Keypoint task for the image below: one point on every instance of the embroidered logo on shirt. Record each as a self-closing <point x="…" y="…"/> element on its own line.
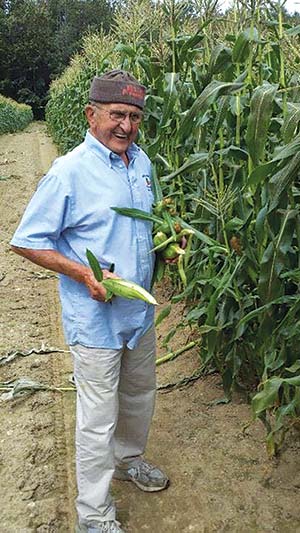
<point x="148" y="182"/>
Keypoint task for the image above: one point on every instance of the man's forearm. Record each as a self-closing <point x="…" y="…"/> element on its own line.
<point x="53" y="260"/>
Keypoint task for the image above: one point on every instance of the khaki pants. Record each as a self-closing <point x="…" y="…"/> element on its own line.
<point x="115" y="402"/>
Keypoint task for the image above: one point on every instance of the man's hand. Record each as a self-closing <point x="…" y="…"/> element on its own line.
<point x="96" y="289"/>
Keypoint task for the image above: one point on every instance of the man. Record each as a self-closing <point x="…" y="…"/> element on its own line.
<point x="112" y="343"/>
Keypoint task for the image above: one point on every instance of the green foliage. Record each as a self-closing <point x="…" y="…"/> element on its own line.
<point x="222" y="129"/>
<point x="13" y="116"/>
<point x="69" y="94"/>
<point x="37" y="39"/>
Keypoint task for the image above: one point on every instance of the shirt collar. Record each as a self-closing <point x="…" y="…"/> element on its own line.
<point x="105" y="153"/>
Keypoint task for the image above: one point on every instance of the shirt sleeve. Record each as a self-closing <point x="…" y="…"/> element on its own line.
<point x="47" y="215"/>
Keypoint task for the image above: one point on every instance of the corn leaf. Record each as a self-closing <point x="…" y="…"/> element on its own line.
<point x="281" y="181"/>
<point x="221" y="113"/>
<point x="137" y="213"/>
<point x="291" y="122"/>
<point x="157" y="192"/>
<point x="95" y="266"/>
<point x="241" y="49"/>
<point x="275" y="258"/>
<point x="266" y="398"/>
<point x="261" y="106"/>
<point x="204" y="101"/>
<point x="260" y="224"/>
<point x="220" y="59"/>
<point x="291" y="32"/>
<point x="163" y="314"/>
<point x="194" y="162"/>
<point x="171" y="78"/>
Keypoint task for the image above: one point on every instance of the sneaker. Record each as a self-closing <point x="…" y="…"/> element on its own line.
<point x="145" y="476"/>
<point x="109" y="526"/>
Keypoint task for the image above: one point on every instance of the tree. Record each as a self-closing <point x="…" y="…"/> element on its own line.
<point x="37" y="39"/>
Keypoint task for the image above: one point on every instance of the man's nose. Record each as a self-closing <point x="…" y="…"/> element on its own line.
<point x="126" y="123"/>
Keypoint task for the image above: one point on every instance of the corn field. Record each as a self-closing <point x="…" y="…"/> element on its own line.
<point x="13" y="116"/>
<point x="222" y="129"/>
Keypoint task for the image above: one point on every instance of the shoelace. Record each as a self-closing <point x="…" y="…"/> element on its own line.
<point x="145" y="467"/>
<point x="112" y="526"/>
<point x="142" y="468"/>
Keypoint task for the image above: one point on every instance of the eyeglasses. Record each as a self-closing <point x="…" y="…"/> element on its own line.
<point x="117" y="115"/>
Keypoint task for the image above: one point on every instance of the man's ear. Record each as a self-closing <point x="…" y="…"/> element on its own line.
<point x="90" y="113"/>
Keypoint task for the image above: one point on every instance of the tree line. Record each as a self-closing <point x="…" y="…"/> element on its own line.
<point x="37" y="39"/>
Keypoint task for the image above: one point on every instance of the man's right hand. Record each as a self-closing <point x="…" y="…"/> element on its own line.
<point x="96" y="289"/>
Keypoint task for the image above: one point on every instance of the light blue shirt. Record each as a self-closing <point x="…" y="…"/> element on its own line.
<point x="70" y="212"/>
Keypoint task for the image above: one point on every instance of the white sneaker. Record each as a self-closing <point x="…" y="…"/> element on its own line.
<point x="109" y="526"/>
<point x="144" y="475"/>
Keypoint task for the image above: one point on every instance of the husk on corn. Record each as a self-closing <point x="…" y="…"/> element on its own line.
<point x="119" y="286"/>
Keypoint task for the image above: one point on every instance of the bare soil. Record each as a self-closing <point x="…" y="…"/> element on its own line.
<point x="221" y="477"/>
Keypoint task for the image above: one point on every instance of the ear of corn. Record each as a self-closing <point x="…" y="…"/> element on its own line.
<point x="128" y="289"/>
<point x="118" y="286"/>
<point x="173" y="250"/>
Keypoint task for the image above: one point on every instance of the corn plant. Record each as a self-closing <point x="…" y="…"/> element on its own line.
<point x="13" y="116"/>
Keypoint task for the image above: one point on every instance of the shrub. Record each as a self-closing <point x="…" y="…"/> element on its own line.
<point x="13" y="116"/>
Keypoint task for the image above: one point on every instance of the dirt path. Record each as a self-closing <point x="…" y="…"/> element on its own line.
<point x="221" y="478"/>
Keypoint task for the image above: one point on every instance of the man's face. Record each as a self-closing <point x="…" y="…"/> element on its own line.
<point x="115" y="133"/>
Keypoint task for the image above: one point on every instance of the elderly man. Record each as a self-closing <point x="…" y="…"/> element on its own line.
<point x="112" y="343"/>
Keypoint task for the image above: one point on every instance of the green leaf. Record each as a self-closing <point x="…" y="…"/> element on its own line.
<point x="199" y="234"/>
<point x="295" y="381"/>
<point x="94" y="264"/>
<point x="170" y="96"/>
<point x="261" y="172"/>
<point x="220" y="59"/>
<point x="262" y="310"/>
<point x="241" y="49"/>
<point x="162" y="315"/>
<point x="170" y="335"/>
<point x="288" y="150"/>
<point x="157" y="192"/>
<point x="281" y="181"/>
<point x="291" y="121"/>
<point x="235" y="152"/>
<point x="194" y="162"/>
<point x="137" y="213"/>
<point x="221" y="113"/>
<point x="211" y="92"/>
<point x="125" y="49"/>
<point x="274" y="259"/>
<point x="266" y="398"/>
<point x="260" y="224"/>
<point x="234" y="224"/>
<point x="294" y="368"/>
<point x="291" y="32"/>
<point x="261" y="106"/>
